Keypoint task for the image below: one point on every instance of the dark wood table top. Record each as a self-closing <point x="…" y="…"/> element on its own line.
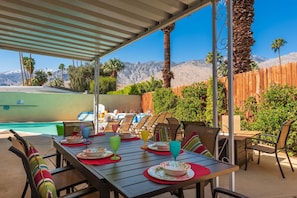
<point x="126" y="176"/>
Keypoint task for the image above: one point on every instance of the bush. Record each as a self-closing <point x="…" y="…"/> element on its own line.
<point x="192" y="105"/>
<point x="164" y="100"/>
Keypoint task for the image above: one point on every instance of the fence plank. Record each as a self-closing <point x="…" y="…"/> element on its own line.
<point x="246" y="84"/>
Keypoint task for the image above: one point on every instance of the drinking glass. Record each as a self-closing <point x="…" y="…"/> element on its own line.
<point x="174" y="147"/>
<point x="144" y="137"/>
<point x="86" y="133"/>
<point x="114" y="128"/>
<point x="115" y="142"/>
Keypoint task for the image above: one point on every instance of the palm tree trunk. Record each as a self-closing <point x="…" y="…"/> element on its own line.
<point x="279" y="58"/>
<point x="22" y="68"/>
<point x="166" y="73"/>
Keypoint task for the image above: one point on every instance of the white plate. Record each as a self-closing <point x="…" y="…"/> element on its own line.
<point x="127" y="138"/>
<point x="77" y="142"/>
<point x="154" y="147"/>
<point x="84" y="156"/>
<point x="158" y="172"/>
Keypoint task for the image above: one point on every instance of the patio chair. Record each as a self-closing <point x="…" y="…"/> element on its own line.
<point x="217" y="191"/>
<point x="207" y="137"/>
<point x="186" y="124"/>
<point x="272" y="146"/>
<point x="74" y="126"/>
<point x="126" y="123"/>
<point x="140" y="125"/>
<point x="170" y="132"/>
<point x="174" y="125"/>
<point x="43" y="182"/>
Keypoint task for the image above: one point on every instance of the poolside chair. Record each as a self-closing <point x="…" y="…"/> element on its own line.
<point x="140" y="125"/>
<point x="271" y="146"/>
<point x="151" y="123"/>
<point x="40" y="179"/>
<point x="161" y="117"/>
<point x="217" y="191"/>
<point x="126" y="123"/>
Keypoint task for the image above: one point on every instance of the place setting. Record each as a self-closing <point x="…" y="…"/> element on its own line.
<point x="127" y="137"/>
<point x="171" y="172"/>
<point x="101" y="155"/>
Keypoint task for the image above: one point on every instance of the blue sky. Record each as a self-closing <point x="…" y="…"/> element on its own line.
<point x="191" y="38"/>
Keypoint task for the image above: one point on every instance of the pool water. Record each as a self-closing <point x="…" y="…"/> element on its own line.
<point x="47" y="128"/>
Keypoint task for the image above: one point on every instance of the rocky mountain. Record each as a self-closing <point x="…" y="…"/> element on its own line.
<point x="185" y="73"/>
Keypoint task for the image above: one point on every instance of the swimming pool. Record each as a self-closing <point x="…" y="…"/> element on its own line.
<point x="47" y="128"/>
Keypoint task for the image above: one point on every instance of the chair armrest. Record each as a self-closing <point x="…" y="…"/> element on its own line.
<point x="61" y="169"/>
<point x="80" y="193"/>
<point x="249" y="139"/>
<point x="49" y="155"/>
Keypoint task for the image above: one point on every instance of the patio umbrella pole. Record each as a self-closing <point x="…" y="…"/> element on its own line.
<point x="96" y="94"/>
<point x="230" y="92"/>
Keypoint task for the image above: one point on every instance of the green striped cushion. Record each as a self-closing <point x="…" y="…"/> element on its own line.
<point x="193" y="143"/>
<point x="42" y="176"/>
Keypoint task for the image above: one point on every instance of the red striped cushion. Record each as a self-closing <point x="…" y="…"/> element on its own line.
<point x="42" y="176"/>
<point x="193" y="143"/>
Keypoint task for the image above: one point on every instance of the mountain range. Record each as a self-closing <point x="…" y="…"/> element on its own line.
<point x="185" y="73"/>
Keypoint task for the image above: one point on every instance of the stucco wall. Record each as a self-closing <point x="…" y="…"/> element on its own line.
<point x="38" y="107"/>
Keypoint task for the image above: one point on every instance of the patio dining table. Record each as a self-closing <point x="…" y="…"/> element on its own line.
<point x="127" y="177"/>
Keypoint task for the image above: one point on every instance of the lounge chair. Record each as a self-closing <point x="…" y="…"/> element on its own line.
<point x="140" y="125"/>
<point x="126" y="123"/>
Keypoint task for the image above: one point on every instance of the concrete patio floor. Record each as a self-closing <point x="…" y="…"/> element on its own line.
<point x="259" y="181"/>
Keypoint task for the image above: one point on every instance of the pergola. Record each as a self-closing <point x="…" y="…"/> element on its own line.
<point x="90" y="29"/>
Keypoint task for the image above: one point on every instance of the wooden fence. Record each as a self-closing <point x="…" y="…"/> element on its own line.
<point x="246" y="84"/>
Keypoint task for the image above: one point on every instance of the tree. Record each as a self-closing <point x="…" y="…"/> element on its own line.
<point x="49" y="74"/>
<point x="81" y="77"/>
<point x="113" y="66"/>
<point x="62" y="67"/>
<point x="222" y="64"/>
<point x="243" y="17"/>
<point x="276" y="45"/>
<point x="56" y="83"/>
<point x="29" y="67"/>
<point x="166" y="73"/>
<point x="40" y="78"/>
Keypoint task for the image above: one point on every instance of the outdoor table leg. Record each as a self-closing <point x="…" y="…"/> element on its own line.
<point x="200" y="189"/>
<point x="58" y="159"/>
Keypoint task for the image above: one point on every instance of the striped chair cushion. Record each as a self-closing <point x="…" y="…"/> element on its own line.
<point x="193" y="143"/>
<point x="42" y="176"/>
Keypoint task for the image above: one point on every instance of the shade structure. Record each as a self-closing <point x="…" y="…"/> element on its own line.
<point x="84" y="30"/>
<point x="90" y="29"/>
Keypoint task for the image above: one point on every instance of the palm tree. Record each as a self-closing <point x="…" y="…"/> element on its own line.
<point x="243" y="17"/>
<point x="49" y="74"/>
<point x="276" y="45"/>
<point x="113" y="66"/>
<point x="222" y="64"/>
<point x="166" y="73"/>
<point x="62" y="67"/>
<point x="29" y="67"/>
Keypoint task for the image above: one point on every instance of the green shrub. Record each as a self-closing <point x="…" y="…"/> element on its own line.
<point x="191" y="107"/>
<point x="164" y="100"/>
